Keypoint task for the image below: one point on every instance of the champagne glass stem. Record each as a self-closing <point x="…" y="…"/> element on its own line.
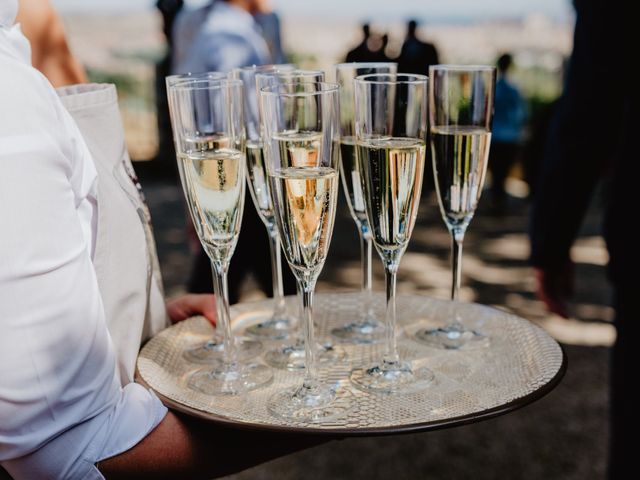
<point x="391" y="351"/>
<point x="218" y="296"/>
<point x="221" y="290"/>
<point x="457" y="237"/>
<point x="311" y="372"/>
<point x="366" y="249"/>
<point x="276" y="274"/>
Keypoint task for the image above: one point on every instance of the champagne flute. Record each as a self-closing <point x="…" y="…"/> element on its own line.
<point x="279" y="324"/>
<point x="461" y="108"/>
<point x="300" y="122"/>
<point x="210" y="143"/>
<point x="366" y="329"/>
<point x="291" y="356"/>
<point x="391" y="127"/>
<point x="213" y="349"/>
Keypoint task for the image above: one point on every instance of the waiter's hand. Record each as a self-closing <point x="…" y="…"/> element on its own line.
<point x="554" y="287"/>
<point x="192" y="304"/>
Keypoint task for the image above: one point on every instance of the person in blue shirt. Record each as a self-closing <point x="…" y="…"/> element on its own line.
<point x="228" y="38"/>
<point x="508" y="120"/>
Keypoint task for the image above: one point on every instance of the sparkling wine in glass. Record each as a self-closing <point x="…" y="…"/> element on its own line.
<point x="301" y="126"/>
<point x="212" y="349"/>
<point x="291" y="355"/>
<point x="391" y="128"/>
<point x="280" y="324"/>
<point x="461" y="108"/>
<point x="210" y="144"/>
<point x="366" y="329"/>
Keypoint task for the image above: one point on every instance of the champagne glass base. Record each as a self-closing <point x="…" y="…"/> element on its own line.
<point x="225" y="379"/>
<point x="213" y="351"/>
<point x="275" y="328"/>
<point x="366" y="331"/>
<point x="320" y="403"/>
<point x="452" y="337"/>
<point x="292" y="357"/>
<point x="391" y="377"/>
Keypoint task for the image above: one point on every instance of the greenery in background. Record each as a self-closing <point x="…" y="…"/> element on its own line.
<point x="302" y="60"/>
<point x="539" y="86"/>
<point x="125" y="83"/>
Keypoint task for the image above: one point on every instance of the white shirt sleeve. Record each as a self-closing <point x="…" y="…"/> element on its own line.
<point x="61" y="405"/>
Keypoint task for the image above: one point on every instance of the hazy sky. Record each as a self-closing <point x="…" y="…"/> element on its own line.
<point x="373" y="10"/>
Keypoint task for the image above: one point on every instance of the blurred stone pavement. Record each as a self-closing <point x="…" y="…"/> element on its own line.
<point x="562" y="436"/>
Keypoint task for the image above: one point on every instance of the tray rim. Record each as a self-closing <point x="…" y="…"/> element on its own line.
<point x="310" y="429"/>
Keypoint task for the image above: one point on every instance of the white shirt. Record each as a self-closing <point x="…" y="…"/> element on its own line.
<point x="62" y="407"/>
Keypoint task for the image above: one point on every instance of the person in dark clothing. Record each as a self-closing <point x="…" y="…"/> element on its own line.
<point x="380" y="55"/>
<point x="593" y="134"/>
<point x="533" y="151"/>
<point x="166" y="158"/>
<point x="416" y="56"/>
<point x="508" y="120"/>
<point x="362" y="53"/>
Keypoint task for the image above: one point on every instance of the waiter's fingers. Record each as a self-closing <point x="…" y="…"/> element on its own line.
<point x="192" y="304"/>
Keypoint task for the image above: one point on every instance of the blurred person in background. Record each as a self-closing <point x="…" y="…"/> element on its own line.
<point x="380" y="54"/>
<point x="50" y="52"/>
<point x="269" y="21"/>
<point x="416" y="56"/>
<point x="508" y="120"/>
<point x="228" y="37"/>
<point x="185" y="27"/>
<point x="593" y="135"/>
<point x="533" y="150"/>
<point x="362" y="53"/>
<point x="165" y="159"/>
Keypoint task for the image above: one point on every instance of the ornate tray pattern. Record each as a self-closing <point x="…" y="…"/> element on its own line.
<point x="521" y="364"/>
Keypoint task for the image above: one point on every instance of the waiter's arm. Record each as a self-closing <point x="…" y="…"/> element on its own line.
<point x="182" y="447"/>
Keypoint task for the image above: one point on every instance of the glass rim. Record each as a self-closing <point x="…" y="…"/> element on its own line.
<point x="263" y="68"/>
<point x="296" y="72"/>
<point x="364" y="64"/>
<point x="185" y="77"/>
<point x="206" y="84"/>
<point x="462" y="68"/>
<point x="272" y="90"/>
<point x="411" y="78"/>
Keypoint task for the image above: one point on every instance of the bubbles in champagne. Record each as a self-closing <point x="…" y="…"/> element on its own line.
<point x="214" y="182"/>
<point x="306" y="201"/>
<point x="460" y="157"/>
<point x="299" y="149"/>
<point x="392" y="171"/>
